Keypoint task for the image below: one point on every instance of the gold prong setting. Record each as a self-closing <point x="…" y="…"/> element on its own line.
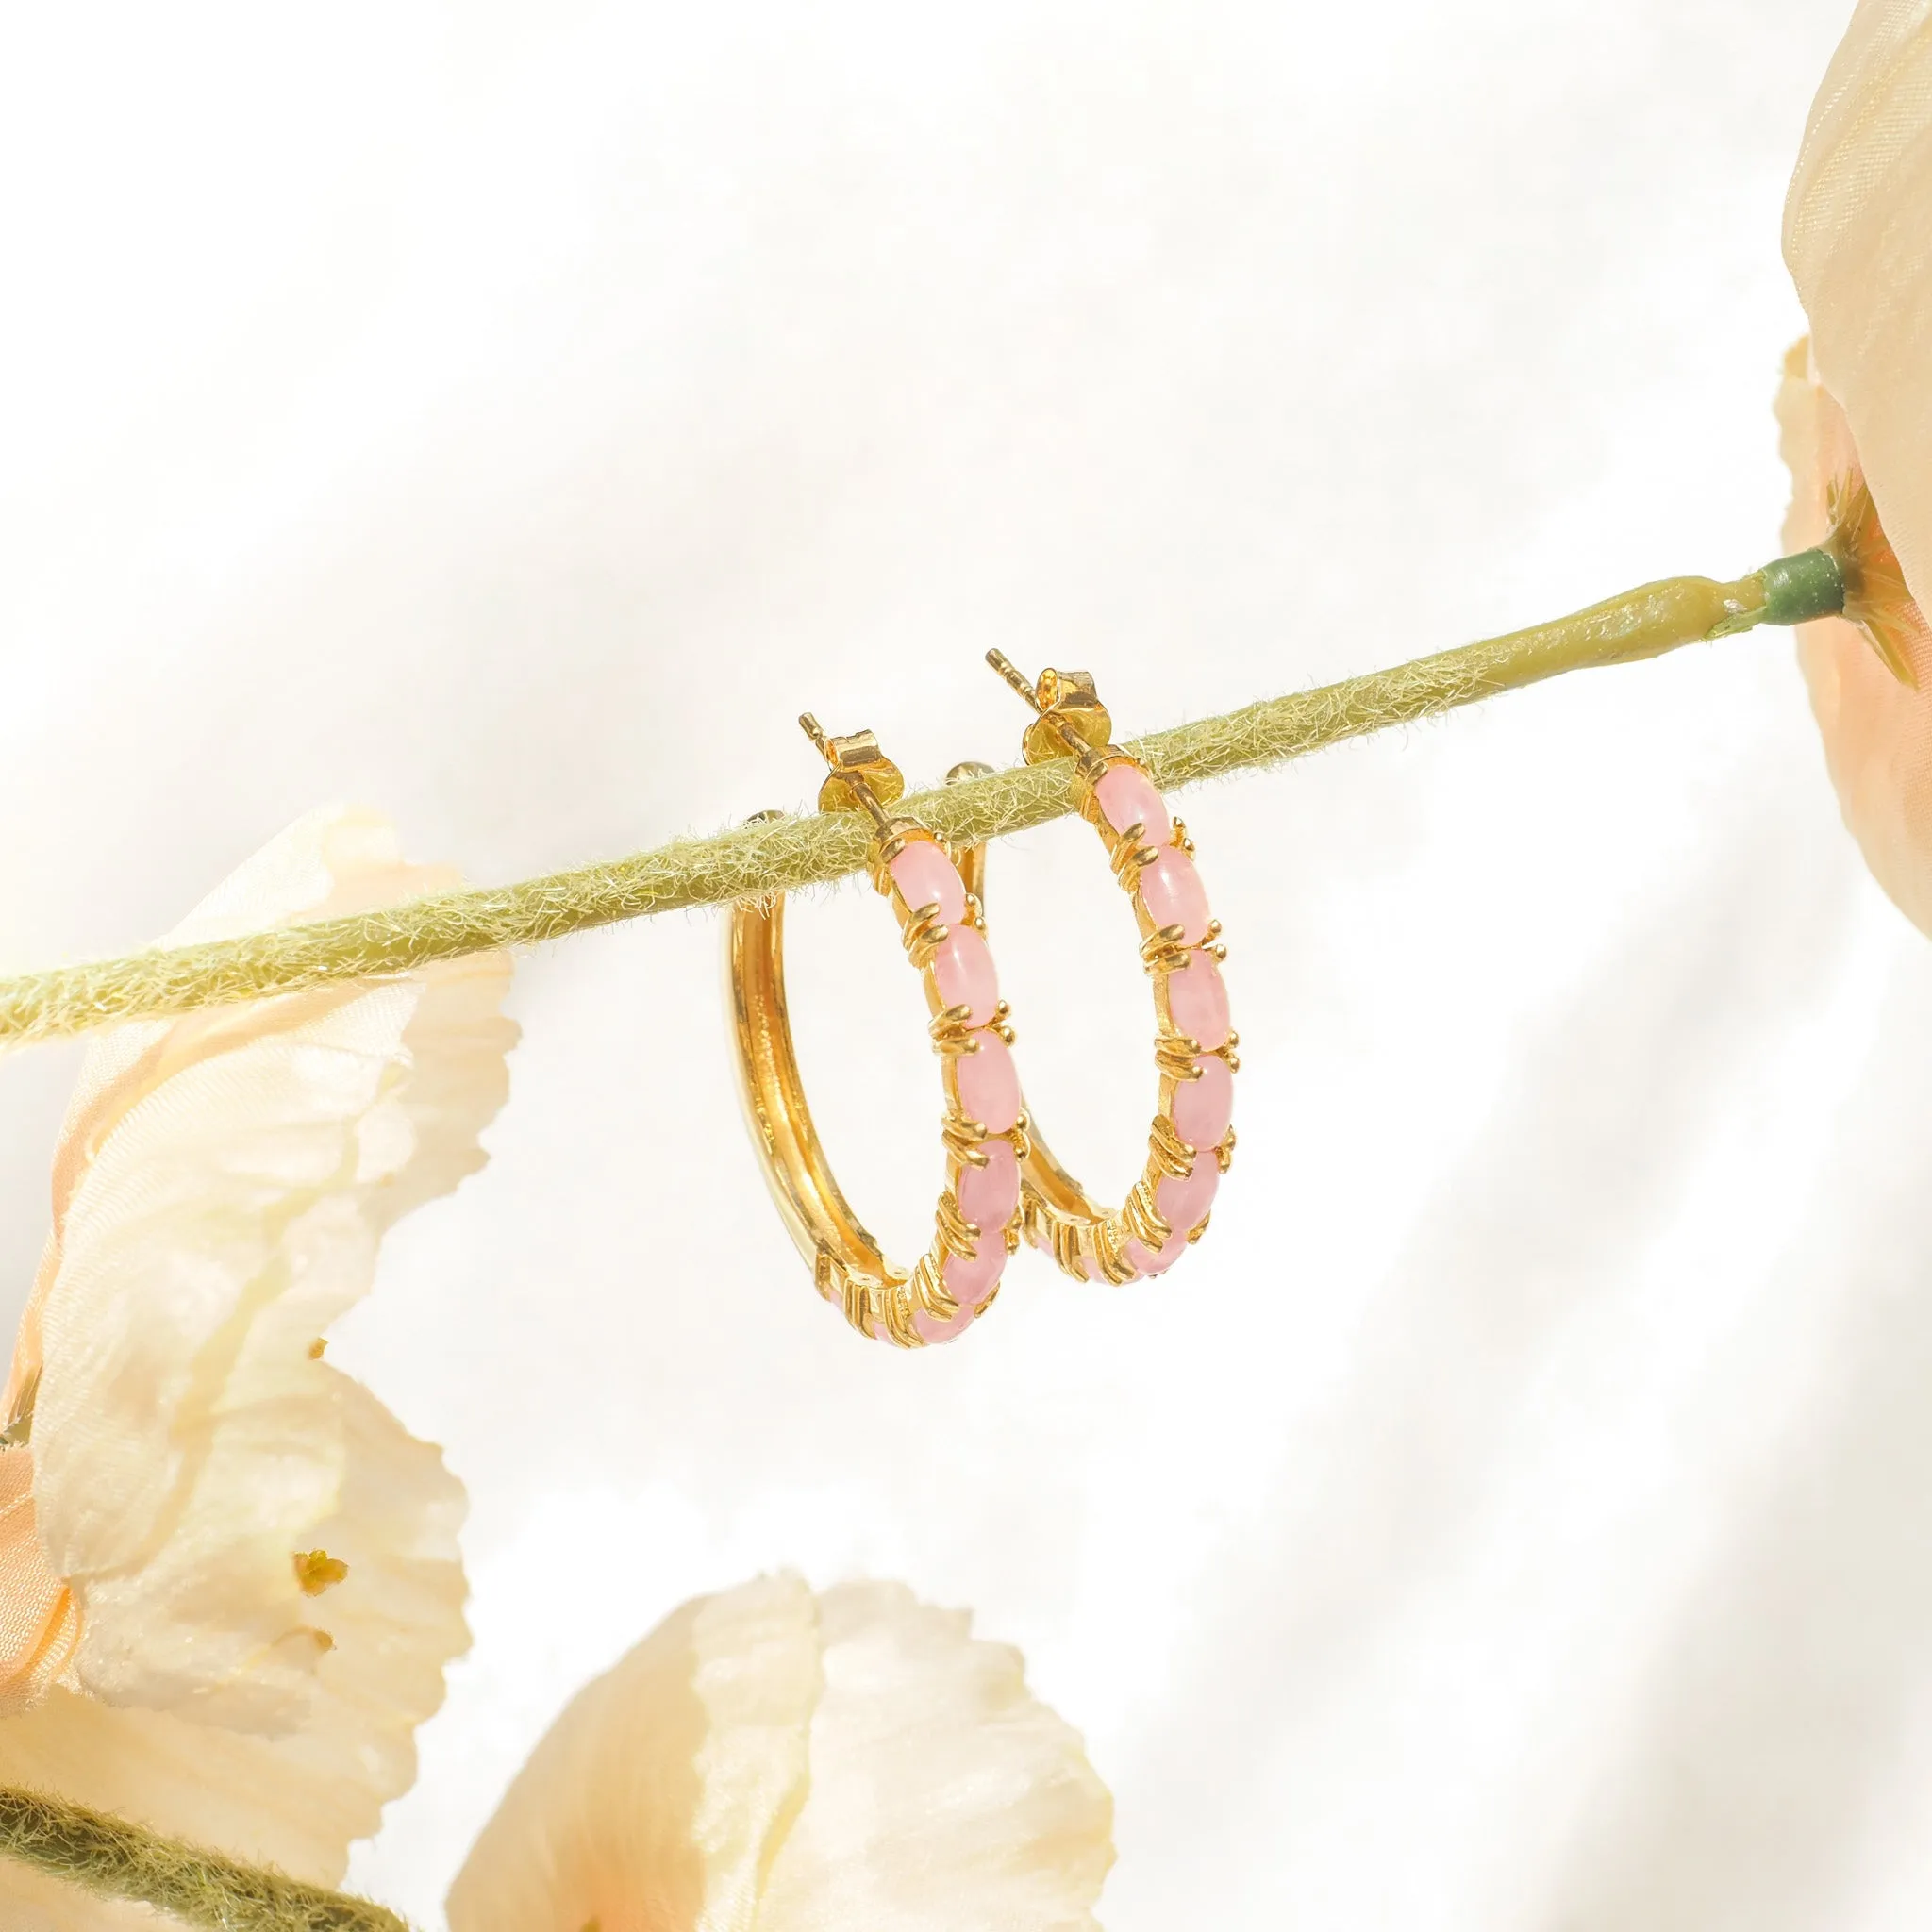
<point x="1190" y="1143"/>
<point x="942" y="928"/>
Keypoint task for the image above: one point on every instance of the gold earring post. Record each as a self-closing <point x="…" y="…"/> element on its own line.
<point x="1014" y="675"/>
<point x="859" y="771"/>
<point x="1054" y="698"/>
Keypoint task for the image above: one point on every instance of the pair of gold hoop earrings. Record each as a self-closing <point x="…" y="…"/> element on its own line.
<point x="1002" y="1180"/>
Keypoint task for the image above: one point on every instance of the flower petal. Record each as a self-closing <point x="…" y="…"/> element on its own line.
<point x="295" y="1802"/>
<point x="227" y="1179"/>
<point x="247" y="1537"/>
<point x="1860" y="206"/>
<point x="1876" y="731"/>
<point x="655" y="1802"/>
<point x="1855" y="218"/>
<point x="944" y="1798"/>
<point x="708" y="1784"/>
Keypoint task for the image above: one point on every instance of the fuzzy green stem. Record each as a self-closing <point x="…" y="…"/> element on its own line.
<point x="782" y="855"/>
<point x="112" y="1859"/>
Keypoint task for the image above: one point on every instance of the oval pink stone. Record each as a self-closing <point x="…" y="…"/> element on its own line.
<point x="1172" y="1250"/>
<point x="1172" y="893"/>
<point x="1182" y="1204"/>
<point x="989" y="1195"/>
<point x="1128" y="796"/>
<point x="931" y="1330"/>
<point x="964" y="971"/>
<point x="925" y="876"/>
<point x="969" y="1282"/>
<point x="1197" y="1001"/>
<point x="1204" y="1108"/>
<point x="988" y="1083"/>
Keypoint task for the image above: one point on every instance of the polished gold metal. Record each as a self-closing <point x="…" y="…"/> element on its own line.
<point x="1085" y="1239"/>
<point x="1072" y="720"/>
<point x="862" y="778"/>
<point x="850" y="1268"/>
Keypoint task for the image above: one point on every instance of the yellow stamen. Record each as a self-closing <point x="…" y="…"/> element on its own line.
<point x="317" y="1571"/>
<point x="316" y="1349"/>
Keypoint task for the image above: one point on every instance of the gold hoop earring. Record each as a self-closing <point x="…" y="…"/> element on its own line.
<point x="1190" y="1143"/>
<point x="983" y="1132"/>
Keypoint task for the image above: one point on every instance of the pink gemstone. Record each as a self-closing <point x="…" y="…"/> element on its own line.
<point x="964" y="970"/>
<point x="931" y="1330"/>
<point x="925" y="876"/>
<point x="1202" y="1107"/>
<point x="989" y="1195"/>
<point x="1128" y="796"/>
<point x="988" y="1083"/>
<point x="969" y="1282"/>
<point x="1172" y="893"/>
<point x="1184" y="1203"/>
<point x="1172" y="1250"/>
<point x="1197" y="1001"/>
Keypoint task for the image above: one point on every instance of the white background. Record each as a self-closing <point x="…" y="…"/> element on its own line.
<point x="512" y="415"/>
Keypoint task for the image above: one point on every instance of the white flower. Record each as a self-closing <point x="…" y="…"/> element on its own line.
<point x="769" y="1760"/>
<point x="229" y="1580"/>
<point x="1857" y="408"/>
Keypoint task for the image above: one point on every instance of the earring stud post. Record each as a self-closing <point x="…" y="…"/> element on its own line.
<point x="1015" y="677"/>
<point x="860" y="773"/>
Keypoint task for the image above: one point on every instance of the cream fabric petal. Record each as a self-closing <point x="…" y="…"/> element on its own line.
<point x="770" y="1762"/>
<point x="295" y="1802"/>
<point x="944" y="1798"/>
<point x="219" y="1191"/>
<point x="1858" y="238"/>
<point x="1876" y="732"/>
<point x="655" y="1802"/>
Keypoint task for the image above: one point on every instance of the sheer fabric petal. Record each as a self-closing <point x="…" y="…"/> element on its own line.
<point x="219" y="1191"/>
<point x="1878" y="732"/>
<point x="655" y="1802"/>
<point x="1858" y="238"/>
<point x="877" y="1766"/>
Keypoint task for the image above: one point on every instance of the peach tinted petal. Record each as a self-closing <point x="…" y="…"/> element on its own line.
<point x="1876" y="732"/>
<point x="655" y="1802"/>
<point x="772" y="1761"/>
<point x="221" y="1189"/>
<point x="1855" y="218"/>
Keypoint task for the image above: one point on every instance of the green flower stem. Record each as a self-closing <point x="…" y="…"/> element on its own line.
<point x="783" y="854"/>
<point x="115" y="1859"/>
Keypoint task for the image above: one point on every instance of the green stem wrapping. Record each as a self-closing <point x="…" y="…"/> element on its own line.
<point x="782" y="855"/>
<point x="112" y="1859"/>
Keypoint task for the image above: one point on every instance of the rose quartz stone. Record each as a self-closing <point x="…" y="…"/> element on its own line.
<point x="969" y="1282"/>
<point x="988" y="1083"/>
<point x="1182" y="1204"/>
<point x="925" y="876"/>
<point x="1202" y="1107"/>
<point x="1197" y="1001"/>
<point x="964" y="970"/>
<point x="1172" y="1250"/>
<point x="1128" y="796"/>
<point x="931" y="1330"/>
<point x="1172" y="893"/>
<point x="989" y="1195"/>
